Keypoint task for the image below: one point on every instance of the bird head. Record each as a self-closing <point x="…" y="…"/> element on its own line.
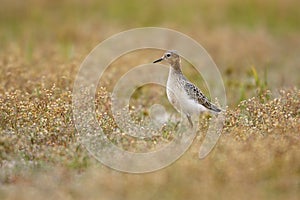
<point x="170" y="57"/>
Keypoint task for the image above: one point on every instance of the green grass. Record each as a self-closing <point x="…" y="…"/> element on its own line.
<point x="255" y="45"/>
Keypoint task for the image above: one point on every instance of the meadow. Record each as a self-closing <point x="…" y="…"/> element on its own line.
<point x="255" y="44"/>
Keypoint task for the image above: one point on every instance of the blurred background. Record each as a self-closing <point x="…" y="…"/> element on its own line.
<point x="238" y="35"/>
<point x="255" y="44"/>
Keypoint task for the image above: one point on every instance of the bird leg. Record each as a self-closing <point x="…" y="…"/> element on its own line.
<point x="190" y="120"/>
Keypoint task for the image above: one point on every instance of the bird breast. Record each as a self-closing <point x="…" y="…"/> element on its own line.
<point x="179" y="98"/>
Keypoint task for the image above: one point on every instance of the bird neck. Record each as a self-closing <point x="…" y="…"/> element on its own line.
<point x="175" y="67"/>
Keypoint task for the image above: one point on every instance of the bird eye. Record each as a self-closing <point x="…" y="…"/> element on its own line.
<point x="168" y="55"/>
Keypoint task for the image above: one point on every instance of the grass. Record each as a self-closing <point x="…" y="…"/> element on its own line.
<point x="254" y="43"/>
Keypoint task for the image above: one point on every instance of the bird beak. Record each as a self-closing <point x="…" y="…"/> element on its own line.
<point x="159" y="60"/>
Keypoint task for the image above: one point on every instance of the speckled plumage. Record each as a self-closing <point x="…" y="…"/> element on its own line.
<point x="195" y="94"/>
<point x="183" y="94"/>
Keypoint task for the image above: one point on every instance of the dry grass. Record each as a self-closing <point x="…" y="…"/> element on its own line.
<point x="257" y="156"/>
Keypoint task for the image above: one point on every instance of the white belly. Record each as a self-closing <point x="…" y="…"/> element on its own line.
<point x="180" y="100"/>
<point x="182" y="103"/>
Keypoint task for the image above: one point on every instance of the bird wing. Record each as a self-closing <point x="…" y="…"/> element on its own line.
<point x="195" y="94"/>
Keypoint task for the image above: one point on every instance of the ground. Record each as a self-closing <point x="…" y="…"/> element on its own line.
<point x="255" y="44"/>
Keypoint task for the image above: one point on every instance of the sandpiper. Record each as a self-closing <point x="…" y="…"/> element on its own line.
<point x="183" y="94"/>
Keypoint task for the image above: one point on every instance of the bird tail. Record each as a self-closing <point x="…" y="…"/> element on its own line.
<point x="215" y="109"/>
